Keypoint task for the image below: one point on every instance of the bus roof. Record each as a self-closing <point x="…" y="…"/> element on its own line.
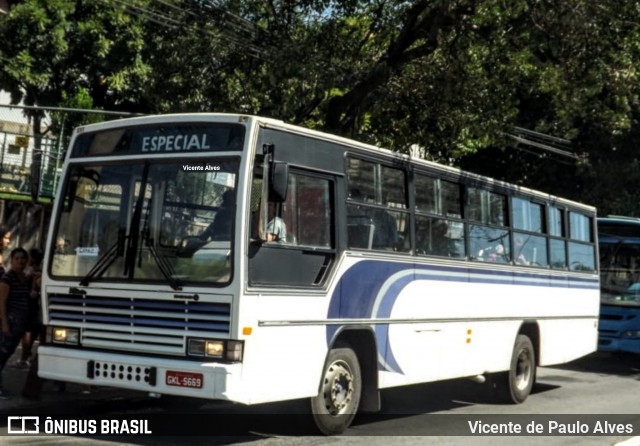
<point x="618" y="229"/>
<point x="619" y="220"/>
<point x="279" y="124"/>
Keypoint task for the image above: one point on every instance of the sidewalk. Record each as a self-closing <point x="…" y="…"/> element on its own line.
<point x="51" y="396"/>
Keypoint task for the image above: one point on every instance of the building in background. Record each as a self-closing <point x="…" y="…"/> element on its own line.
<point x="25" y="218"/>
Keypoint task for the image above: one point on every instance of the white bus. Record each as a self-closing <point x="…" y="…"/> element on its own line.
<point x="239" y="258"/>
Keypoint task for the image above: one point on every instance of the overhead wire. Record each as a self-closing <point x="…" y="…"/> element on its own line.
<point x="168" y="21"/>
<point x="244" y="23"/>
<point x="239" y="29"/>
<point x="147" y="14"/>
<point x="243" y="36"/>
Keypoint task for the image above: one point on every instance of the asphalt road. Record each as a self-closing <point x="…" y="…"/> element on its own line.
<point x="572" y="398"/>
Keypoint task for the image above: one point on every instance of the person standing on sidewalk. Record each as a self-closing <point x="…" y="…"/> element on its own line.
<point x="33" y="384"/>
<point x="5" y="241"/>
<point x="34" y="324"/>
<point x="15" y="291"/>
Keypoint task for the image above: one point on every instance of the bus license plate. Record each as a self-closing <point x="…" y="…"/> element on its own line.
<point x="184" y="379"/>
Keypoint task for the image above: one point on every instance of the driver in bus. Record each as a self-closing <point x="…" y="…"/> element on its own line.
<point x="276" y="230"/>
<point x="220" y="228"/>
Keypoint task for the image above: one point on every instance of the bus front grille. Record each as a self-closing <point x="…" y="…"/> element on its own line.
<point x="139" y="325"/>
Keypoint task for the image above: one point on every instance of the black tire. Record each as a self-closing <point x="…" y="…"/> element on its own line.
<point x="336" y="404"/>
<point x="515" y="385"/>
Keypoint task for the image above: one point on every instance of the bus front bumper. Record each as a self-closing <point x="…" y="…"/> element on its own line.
<point x="146" y="374"/>
<point x="616" y="344"/>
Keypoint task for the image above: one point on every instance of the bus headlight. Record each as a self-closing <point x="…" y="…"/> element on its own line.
<point x="214" y="348"/>
<point x="64" y="335"/>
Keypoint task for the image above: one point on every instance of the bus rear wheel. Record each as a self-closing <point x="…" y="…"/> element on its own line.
<point x="515" y="385"/>
<point x="335" y="406"/>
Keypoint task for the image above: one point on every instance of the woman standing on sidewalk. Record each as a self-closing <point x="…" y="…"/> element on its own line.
<point x="5" y="241"/>
<point x="34" y="323"/>
<point x="14" y="308"/>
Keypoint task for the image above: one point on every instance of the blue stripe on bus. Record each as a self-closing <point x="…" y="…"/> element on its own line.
<point x="361" y="284"/>
<point x="140" y="321"/>
<point x="92" y="301"/>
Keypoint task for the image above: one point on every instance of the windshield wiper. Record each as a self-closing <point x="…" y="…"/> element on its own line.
<point x="164" y="265"/>
<point x="104" y="262"/>
<point x="134" y="227"/>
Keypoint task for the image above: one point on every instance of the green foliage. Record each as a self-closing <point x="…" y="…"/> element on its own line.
<point x="452" y="77"/>
<point x="53" y="50"/>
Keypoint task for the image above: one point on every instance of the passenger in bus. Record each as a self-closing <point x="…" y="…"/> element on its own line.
<point x="439" y="240"/>
<point x="520" y="258"/>
<point x="385" y="234"/>
<point x="220" y="228"/>
<point x="497" y="254"/>
<point x="61" y="245"/>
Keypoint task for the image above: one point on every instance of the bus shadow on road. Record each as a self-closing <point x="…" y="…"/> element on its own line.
<point x="226" y="423"/>
<point x="621" y="364"/>
<point x="236" y="422"/>
<point x="292" y="418"/>
<point x="437" y="399"/>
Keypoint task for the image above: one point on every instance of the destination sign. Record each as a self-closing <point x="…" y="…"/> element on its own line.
<point x="173" y="143"/>
<point x="165" y="138"/>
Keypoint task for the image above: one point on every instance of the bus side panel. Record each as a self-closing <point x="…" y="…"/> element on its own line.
<point x="565" y="340"/>
<point x="283" y="356"/>
<point x="454" y="321"/>
<point x="431" y="322"/>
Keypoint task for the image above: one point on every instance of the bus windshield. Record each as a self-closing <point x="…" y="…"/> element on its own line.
<point x="153" y="220"/>
<point x="620" y="273"/>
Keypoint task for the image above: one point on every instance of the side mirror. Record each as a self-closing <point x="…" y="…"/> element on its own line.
<point x="70" y="193"/>
<point x="74" y="183"/>
<point x="279" y="181"/>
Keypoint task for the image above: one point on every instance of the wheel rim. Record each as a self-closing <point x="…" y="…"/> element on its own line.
<point x="524" y="368"/>
<point x="338" y="388"/>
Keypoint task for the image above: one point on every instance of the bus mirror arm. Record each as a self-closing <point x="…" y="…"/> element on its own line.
<point x="277" y="173"/>
<point x="279" y="181"/>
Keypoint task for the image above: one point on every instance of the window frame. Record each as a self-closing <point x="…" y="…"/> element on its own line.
<point x="404" y="242"/>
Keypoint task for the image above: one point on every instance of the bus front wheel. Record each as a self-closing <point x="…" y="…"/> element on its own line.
<point x="514" y="386"/>
<point x="335" y="406"/>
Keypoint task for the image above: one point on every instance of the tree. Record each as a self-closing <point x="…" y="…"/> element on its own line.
<point x="572" y="69"/>
<point x="60" y="48"/>
<point x="55" y="51"/>
<point x="452" y="77"/>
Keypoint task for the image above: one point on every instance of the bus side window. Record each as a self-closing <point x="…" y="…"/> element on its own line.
<point x="307" y="222"/>
<point x="307" y="212"/>
<point x="360" y="231"/>
<point x="557" y="245"/>
<point x="432" y="237"/>
<point x="377" y="209"/>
